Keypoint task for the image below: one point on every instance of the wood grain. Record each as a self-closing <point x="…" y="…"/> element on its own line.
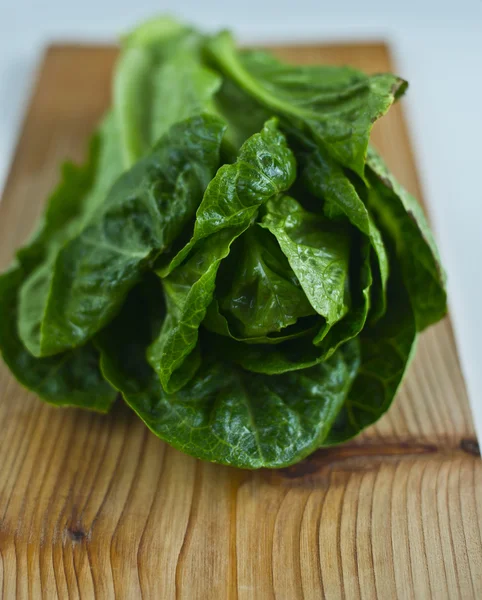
<point x="94" y="506"/>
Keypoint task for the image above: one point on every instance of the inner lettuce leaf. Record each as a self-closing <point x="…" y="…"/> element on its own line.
<point x="318" y="252"/>
<point x="233" y="257"/>
<point x="223" y="324"/>
<point x="327" y="180"/>
<point x="262" y="294"/>
<point x="317" y="343"/>
<point x="265" y="168"/>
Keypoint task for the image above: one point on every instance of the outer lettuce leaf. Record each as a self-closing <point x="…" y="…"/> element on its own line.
<point x="336" y="106"/>
<point x="265" y="168"/>
<point x="386" y="351"/>
<point x="224" y="414"/>
<point x="242" y="113"/>
<point x="400" y="215"/>
<point x="67" y="204"/>
<point x="142" y="215"/>
<point x="78" y="197"/>
<point x="69" y="379"/>
<point x="160" y="80"/>
<point x="72" y="378"/>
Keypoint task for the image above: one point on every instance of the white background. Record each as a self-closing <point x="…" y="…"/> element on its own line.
<point x="437" y="47"/>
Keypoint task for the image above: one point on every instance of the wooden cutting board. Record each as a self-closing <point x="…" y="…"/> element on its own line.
<point x="98" y="506"/>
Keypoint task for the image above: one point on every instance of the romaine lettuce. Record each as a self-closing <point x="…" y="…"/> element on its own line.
<point x="233" y="258"/>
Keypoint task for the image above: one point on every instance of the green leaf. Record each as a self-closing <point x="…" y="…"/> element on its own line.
<point x="386" y="351"/>
<point x="264" y="169"/>
<point x="66" y="205"/>
<point x="160" y="63"/>
<point x="155" y="32"/>
<point x="159" y="80"/>
<point x="72" y="378"/>
<point x="264" y="295"/>
<point x="326" y="179"/>
<point x="318" y="251"/>
<point x="216" y="322"/>
<point x="188" y="292"/>
<point x="402" y="218"/>
<point x="243" y="114"/>
<point x="352" y="323"/>
<point x="296" y="354"/>
<point x="224" y="414"/>
<point x="69" y="379"/>
<point x="142" y="215"/>
<point x="336" y="106"/>
<point x="78" y="196"/>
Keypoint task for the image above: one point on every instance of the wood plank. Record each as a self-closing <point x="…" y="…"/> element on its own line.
<point x="97" y="506"/>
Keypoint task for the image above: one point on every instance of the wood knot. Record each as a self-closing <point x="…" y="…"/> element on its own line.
<point x="470" y="445"/>
<point x="76" y="533"/>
